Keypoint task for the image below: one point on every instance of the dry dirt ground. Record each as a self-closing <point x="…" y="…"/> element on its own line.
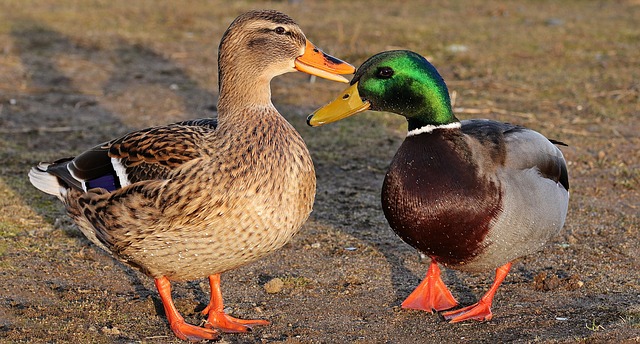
<point x="73" y="74"/>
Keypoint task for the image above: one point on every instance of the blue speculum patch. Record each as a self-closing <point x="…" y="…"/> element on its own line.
<point x="108" y="182"/>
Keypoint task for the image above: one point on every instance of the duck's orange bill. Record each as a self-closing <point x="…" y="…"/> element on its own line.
<point x="315" y="62"/>
<point x="348" y="103"/>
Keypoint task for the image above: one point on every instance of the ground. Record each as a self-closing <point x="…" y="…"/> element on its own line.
<point x="74" y="74"/>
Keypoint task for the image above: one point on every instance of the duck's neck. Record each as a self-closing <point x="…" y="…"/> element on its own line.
<point x="244" y="105"/>
<point x="430" y="97"/>
<point x="240" y="88"/>
<point x="432" y="116"/>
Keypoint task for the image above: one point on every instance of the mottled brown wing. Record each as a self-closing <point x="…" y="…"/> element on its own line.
<point x="147" y="154"/>
<point x="152" y="153"/>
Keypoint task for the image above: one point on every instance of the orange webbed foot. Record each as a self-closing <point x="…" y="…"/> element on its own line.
<point x="480" y="311"/>
<point x="431" y="294"/>
<point x="218" y="319"/>
<point x="179" y="327"/>
<point x="229" y="324"/>
<point x="193" y="333"/>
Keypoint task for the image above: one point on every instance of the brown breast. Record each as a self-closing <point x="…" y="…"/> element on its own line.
<point x="434" y="199"/>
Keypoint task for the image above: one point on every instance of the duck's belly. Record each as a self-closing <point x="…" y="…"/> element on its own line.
<point x="534" y="210"/>
<point x="225" y="233"/>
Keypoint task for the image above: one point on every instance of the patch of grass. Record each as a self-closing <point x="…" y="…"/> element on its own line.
<point x="593" y="326"/>
<point x="3" y="250"/>
<point x="21" y="200"/>
<point x="16" y="217"/>
<point x="628" y="178"/>
<point x="9" y="229"/>
<point x="631" y="318"/>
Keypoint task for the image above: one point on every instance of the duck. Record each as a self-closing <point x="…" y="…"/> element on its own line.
<point x="194" y="199"/>
<point x="472" y="195"/>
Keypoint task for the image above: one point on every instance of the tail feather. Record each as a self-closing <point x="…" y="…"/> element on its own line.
<point x="45" y="182"/>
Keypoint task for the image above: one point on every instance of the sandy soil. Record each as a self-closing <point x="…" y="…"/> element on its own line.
<point x="73" y="75"/>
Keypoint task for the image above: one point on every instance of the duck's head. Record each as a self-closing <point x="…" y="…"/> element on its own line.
<point x="401" y="82"/>
<point x="267" y="43"/>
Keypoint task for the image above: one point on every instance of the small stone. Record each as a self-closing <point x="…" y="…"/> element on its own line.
<point x="602" y="155"/>
<point x="114" y="331"/>
<point x="457" y="48"/>
<point x="544" y="282"/>
<point x="274" y="286"/>
<point x="554" y="22"/>
<point x="574" y="283"/>
<point x="315" y="245"/>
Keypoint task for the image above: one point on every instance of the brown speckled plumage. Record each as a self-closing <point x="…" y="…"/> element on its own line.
<point x="207" y="196"/>
<point x="196" y="198"/>
<point x="233" y="199"/>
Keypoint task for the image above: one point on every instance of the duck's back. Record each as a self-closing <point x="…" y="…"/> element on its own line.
<point x="467" y="198"/>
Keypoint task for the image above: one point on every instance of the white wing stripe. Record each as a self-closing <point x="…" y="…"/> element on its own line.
<point x="82" y="181"/>
<point x="121" y="172"/>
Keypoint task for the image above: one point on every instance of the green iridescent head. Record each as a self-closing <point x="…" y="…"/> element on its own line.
<point x="401" y="82"/>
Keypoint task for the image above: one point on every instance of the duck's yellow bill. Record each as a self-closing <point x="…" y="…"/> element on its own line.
<point x="315" y="62"/>
<point x="348" y="103"/>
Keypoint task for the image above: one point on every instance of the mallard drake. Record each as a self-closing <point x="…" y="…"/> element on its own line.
<point x="196" y="198"/>
<point x="473" y="195"/>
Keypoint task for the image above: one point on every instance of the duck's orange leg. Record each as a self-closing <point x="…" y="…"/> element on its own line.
<point x="218" y="318"/>
<point x="181" y="329"/>
<point x="431" y="294"/>
<point x="482" y="309"/>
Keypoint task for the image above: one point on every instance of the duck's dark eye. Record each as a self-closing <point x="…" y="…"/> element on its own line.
<point x="385" y="72"/>
<point x="280" y="30"/>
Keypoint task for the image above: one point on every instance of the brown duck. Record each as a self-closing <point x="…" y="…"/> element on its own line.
<point x="196" y="198"/>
